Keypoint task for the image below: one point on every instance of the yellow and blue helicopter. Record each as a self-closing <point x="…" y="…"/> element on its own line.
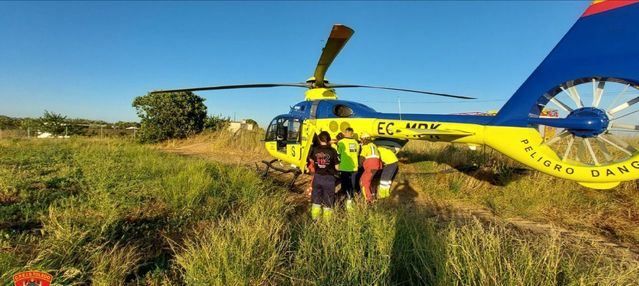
<point x="590" y="78"/>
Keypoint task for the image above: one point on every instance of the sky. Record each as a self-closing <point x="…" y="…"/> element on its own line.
<point x="91" y="59"/>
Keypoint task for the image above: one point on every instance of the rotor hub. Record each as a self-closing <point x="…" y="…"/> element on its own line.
<point x="595" y="121"/>
<point x="312" y="82"/>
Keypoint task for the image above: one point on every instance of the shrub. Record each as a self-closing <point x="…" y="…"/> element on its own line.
<point x="169" y="115"/>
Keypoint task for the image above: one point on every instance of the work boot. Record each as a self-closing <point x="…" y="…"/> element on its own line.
<point x="383" y="193"/>
<point x="327" y="213"/>
<point x="316" y="211"/>
<point x="349" y="205"/>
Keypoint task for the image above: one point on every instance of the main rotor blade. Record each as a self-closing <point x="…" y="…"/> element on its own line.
<point x="336" y="41"/>
<point x="236" y="86"/>
<point x="400" y="89"/>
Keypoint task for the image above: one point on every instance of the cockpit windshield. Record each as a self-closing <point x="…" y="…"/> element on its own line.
<point x="284" y="129"/>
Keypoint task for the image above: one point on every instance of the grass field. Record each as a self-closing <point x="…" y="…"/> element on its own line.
<point x="488" y="179"/>
<point x="111" y="212"/>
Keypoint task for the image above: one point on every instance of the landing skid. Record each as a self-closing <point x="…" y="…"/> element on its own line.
<point x="280" y="169"/>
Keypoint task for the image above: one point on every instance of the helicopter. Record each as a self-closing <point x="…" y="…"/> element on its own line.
<point x="595" y="64"/>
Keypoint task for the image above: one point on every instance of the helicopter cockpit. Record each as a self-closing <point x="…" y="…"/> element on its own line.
<point x="284" y="129"/>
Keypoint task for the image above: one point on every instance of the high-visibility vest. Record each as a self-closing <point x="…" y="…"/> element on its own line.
<point x="369" y="151"/>
<point x="348" y="150"/>
<point x="388" y="157"/>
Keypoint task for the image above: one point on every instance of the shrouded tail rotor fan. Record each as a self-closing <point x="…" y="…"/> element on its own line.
<point x="608" y="108"/>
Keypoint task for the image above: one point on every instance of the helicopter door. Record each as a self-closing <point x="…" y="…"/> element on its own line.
<point x="293" y="146"/>
<point x="285" y="131"/>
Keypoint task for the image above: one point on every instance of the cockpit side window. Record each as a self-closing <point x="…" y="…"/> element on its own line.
<point x="341" y="110"/>
<point x="294" y="130"/>
<point x="284" y="130"/>
<point x="271" y="132"/>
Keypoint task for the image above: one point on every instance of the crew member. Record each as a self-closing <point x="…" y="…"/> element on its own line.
<point x="338" y="137"/>
<point x="371" y="162"/>
<point x="325" y="162"/>
<point x="348" y="149"/>
<point x="310" y="167"/>
<point x="390" y="161"/>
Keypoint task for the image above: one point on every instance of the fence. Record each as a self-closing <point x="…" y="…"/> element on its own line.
<point x="95" y="132"/>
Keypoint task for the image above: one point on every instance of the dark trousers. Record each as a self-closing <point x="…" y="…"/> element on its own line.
<point x="349" y="182"/>
<point x="323" y="190"/>
<point x="358" y="176"/>
<point x="389" y="172"/>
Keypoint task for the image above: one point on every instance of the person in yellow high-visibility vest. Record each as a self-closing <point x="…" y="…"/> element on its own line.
<point x="390" y="161"/>
<point x="371" y="162"/>
<point x="348" y="150"/>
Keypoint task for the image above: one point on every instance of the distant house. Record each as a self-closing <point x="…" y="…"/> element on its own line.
<point x="235" y="126"/>
<point x="49" y="135"/>
<point x="134" y="129"/>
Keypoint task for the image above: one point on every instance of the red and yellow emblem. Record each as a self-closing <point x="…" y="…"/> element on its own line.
<point x="32" y="278"/>
<point x="599" y="6"/>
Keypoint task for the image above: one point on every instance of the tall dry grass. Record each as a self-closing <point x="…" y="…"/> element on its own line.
<point x="486" y="178"/>
<point x="242" y="142"/>
<point x="110" y="212"/>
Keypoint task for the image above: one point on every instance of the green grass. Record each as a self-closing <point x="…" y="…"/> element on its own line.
<point x="493" y="181"/>
<point x="111" y="212"/>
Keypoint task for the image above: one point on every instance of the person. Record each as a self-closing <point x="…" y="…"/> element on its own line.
<point x="325" y="162"/>
<point x="389" y="170"/>
<point x="310" y="167"/>
<point x="338" y="137"/>
<point x="348" y="150"/>
<point x="369" y="156"/>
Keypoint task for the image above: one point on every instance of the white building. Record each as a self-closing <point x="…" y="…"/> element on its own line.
<point x="234" y="126"/>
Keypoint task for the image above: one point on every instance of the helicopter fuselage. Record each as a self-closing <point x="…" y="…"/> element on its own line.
<point x="290" y="136"/>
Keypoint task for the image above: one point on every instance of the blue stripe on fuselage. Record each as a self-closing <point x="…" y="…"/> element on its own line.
<point x="326" y="109"/>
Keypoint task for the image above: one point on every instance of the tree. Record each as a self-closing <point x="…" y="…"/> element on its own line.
<point x="53" y="123"/>
<point x="252" y="122"/>
<point x="169" y="115"/>
<point x="7" y="122"/>
<point x="215" y="123"/>
<point x="28" y="123"/>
